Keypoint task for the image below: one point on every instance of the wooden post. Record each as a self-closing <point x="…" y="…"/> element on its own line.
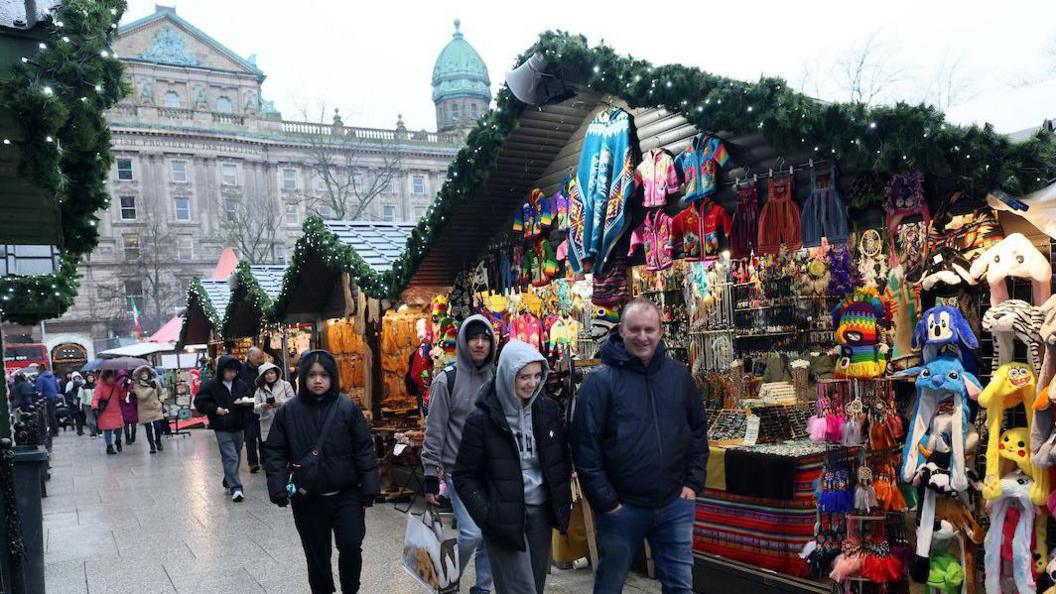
<point x="376" y="386"/>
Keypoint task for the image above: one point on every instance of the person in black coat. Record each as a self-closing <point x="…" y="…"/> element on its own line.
<point x="324" y="439"/>
<point x="251" y="420"/>
<point x="23" y="393"/>
<point x="640" y="445"/>
<point x="226" y="399"/>
<point x="514" y="470"/>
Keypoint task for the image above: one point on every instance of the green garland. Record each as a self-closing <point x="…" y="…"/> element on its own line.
<point x="198" y="298"/>
<point x="246" y="290"/>
<point x="317" y="240"/>
<point x="58" y="98"/>
<point x="890" y="139"/>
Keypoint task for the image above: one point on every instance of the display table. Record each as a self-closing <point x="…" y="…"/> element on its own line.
<point x="763" y="522"/>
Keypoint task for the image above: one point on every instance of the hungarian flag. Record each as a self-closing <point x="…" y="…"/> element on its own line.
<point x="137" y="330"/>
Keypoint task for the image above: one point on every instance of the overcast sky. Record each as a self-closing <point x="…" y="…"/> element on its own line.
<point x="374" y="59"/>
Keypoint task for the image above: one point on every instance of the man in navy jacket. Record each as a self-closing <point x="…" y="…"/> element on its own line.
<point x="640" y="447"/>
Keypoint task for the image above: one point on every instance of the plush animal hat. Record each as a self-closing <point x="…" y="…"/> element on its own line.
<point x="946" y="273"/>
<point x="1046" y="319"/>
<point x="941" y="379"/>
<point x="860" y="321"/>
<point x="1014" y="257"/>
<point x="944" y="329"/>
<point x="1016" y="488"/>
<point x="1012" y="384"/>
<point x="905" y="198"/>
<point x="1013" y="320"/>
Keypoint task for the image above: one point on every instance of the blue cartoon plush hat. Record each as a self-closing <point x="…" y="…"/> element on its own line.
<point x="944" y="329"/>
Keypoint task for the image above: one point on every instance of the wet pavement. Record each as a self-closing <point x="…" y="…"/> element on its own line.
<point x="142" y="523"/>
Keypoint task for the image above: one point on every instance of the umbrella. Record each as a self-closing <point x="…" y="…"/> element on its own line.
<point x="92" y="365"/>
<point x="122" y="363"/>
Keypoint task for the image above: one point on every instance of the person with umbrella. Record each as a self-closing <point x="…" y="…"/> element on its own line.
<point x="106" y="405"/>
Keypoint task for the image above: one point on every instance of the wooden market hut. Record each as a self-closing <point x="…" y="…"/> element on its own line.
<point x="766" y="127"/>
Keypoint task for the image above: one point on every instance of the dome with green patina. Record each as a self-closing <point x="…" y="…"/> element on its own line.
<point x="459" y="71"/>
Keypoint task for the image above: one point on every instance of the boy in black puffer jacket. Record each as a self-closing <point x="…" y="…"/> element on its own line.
<point x="225" y="399"/>
<point x="514" y="469"/>
<point x="335" y="479"/>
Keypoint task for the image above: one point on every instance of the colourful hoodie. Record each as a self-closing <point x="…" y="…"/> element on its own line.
<point x="605" y="181"/>
<point x="698" y="167"/>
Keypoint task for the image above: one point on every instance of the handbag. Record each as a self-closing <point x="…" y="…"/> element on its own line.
<point x="103" y="403"/>
<point x="305" y="472"/>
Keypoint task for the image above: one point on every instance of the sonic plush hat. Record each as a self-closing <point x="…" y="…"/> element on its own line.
<point x="943" y="329"/>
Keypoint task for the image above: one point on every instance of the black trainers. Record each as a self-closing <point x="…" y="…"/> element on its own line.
<point x="254" y="469"/>
<point x="153" y="450"/>
<point x="118" y="444"/>
<point x="237" y="497"/>
<point x="224" y="483"/>
<point x="110" y="451"/>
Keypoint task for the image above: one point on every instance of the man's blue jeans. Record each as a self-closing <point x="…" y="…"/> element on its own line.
<point x="669" y="531"/>
<point x="470" y="540"/>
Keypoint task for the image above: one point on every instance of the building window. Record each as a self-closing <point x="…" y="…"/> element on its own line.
<point x="223" y="105"/>
<point x="293" y="215"/>
<point x="419" y="211"/>
<point x="419" y="184"/>
<point x="231" y="209"/>
<point x="172" y="99"/>
<point x="183" y="208"/>
<point x="179" y="172"/>
<point x="134" y="289"/>
<point x="184" y="248"/>
<point x="389" y="213"/>
<point x="229" y="172"/>
<point x="289" y="179"/>
<point x="124" y="170"/>
<point x="128" y="208"/>
<point x="130" y="243"/>
<point x="319" y="184"/>
<point x="455" y="112"/>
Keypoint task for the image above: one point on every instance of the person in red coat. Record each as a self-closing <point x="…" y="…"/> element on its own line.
<point x="106" y="402"/>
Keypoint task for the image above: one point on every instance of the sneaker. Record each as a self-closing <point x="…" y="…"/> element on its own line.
<point x="153" y="450"/>
<point x="118" y="444"/>
<point x="161" y="448"/>
<point x="94" y="436"/>
<point x="254" y="469"/>
<point x="224" y="483"/>
<point x="110" y="451"/>
<point x="237" y="497"/>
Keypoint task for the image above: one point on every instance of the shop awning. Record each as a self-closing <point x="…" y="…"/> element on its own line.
<point x="140" y="349"/>
<point x="763" y="125"/>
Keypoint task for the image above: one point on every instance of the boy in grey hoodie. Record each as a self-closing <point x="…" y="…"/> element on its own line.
<point x="452" y="396"/>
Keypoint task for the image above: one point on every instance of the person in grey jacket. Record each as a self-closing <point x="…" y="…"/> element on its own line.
<point x="452" y="397"/>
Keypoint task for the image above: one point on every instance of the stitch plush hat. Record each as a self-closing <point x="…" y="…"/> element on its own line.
<point x="1014" y="257"/>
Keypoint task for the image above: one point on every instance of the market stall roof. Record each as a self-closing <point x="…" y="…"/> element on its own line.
<point x="252" y="296"/>
<point x="169" y="332"/>
<point x="206" y="304"/>
<point x="379" y="244"/>
<point x="764" y="125"/>
<point x="312" y="285"/>
<point x="140" y="349"/>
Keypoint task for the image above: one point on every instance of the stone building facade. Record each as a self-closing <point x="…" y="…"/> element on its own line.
<point x="203" y="162"/>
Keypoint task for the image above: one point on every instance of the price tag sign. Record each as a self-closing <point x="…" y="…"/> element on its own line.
<point x="752" y="434"/>
<point x="396" y="451"/>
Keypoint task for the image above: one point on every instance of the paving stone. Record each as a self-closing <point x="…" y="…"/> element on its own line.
<point x="144" y="524"/>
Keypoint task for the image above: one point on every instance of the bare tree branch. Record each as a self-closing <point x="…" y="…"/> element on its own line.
<point x="250" y="224"/>
<point x="345" y="184"/>
<point x="866" y="73"/>
<point x="950" y="84"/>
